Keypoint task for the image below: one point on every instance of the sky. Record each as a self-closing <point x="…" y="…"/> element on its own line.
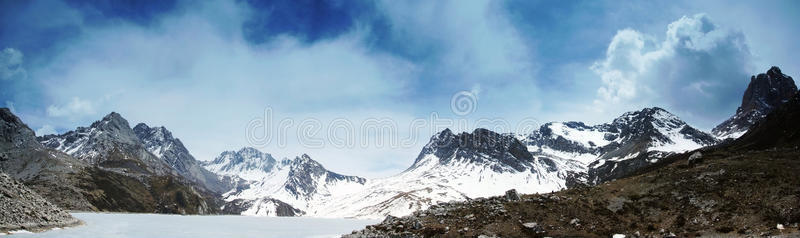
<point x="361" y="86"/>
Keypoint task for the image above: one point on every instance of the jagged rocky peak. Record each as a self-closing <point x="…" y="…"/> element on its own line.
<point x="115" y="125"/>
<point x="111" y="127"/>
<point x="482" y="146"/>
<point x="303" y="165"/>
<point x="765" y="92"/>
<point x="160" y="142"/>
<point x="244" y="160"/>
<point x="158" y="134"/>
<point x="307" y="175"/>
<point x="110" y="143"/>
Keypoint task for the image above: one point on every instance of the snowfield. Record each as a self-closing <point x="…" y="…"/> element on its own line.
<point x="119" y="225"/>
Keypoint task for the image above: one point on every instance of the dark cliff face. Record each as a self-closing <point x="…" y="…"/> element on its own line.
<point x="765" y="92"/>
<point x="779" y="129"/>
<point x="482" y="146"/>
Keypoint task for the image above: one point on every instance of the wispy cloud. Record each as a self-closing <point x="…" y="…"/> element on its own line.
<point x="76" y="107"/>
<point x="11" y="67"/>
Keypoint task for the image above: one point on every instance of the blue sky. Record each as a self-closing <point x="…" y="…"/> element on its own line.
<point x="206" y="69"/>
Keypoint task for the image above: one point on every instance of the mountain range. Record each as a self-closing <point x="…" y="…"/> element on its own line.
<point x="109" y="166"/>
<point x="744" y="187"/>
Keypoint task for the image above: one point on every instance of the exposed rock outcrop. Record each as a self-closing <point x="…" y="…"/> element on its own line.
<point x="765" y="92"/>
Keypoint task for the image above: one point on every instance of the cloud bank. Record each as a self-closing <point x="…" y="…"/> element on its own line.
<point x="696" y="69"/>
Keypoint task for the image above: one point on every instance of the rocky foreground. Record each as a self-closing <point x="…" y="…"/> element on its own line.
<point x="751" y="194"/>
<point x="23" y="209"/>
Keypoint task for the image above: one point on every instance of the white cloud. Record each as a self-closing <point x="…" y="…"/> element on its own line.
<point x="11" y="64"/>
<point x="46" y="130"/>
<point x="74" y="108"/>
<point x="697" y="61"/>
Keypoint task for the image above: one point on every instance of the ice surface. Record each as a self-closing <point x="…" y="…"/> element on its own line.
<point x="120" y="225"/>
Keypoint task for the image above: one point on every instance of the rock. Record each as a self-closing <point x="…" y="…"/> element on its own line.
<point x="512" y="195"/>
<point x="389" y="219"/>
<point x="575" y="222"/>
<point x="695" y="158"/>
<point x="417" y="225"/>
<point x="616" y="203"/>
<point x="534" y="227"/>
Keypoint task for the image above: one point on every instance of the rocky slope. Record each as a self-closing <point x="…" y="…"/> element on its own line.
<point x="747" y="187"/>
<point x="160" y="142"/>
<point x="23" y="209"/>
<point x="288" y="187"/>
<point x="764" y="93"/>
<point x="51" y="173"/>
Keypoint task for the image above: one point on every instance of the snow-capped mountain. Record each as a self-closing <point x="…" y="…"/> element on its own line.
<point x="765" y="92"/>
<point x="456" y="167"/>
<point x="248" y="163"/>
<point x="109" y="143"/>
<point x="160" y="142"/>
<point x="612" y="150"/>
<point x="484" y="163"/>
<point x="301" y="183"/>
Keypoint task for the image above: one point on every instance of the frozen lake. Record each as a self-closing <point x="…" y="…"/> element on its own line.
<point x="156" y="225"/>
